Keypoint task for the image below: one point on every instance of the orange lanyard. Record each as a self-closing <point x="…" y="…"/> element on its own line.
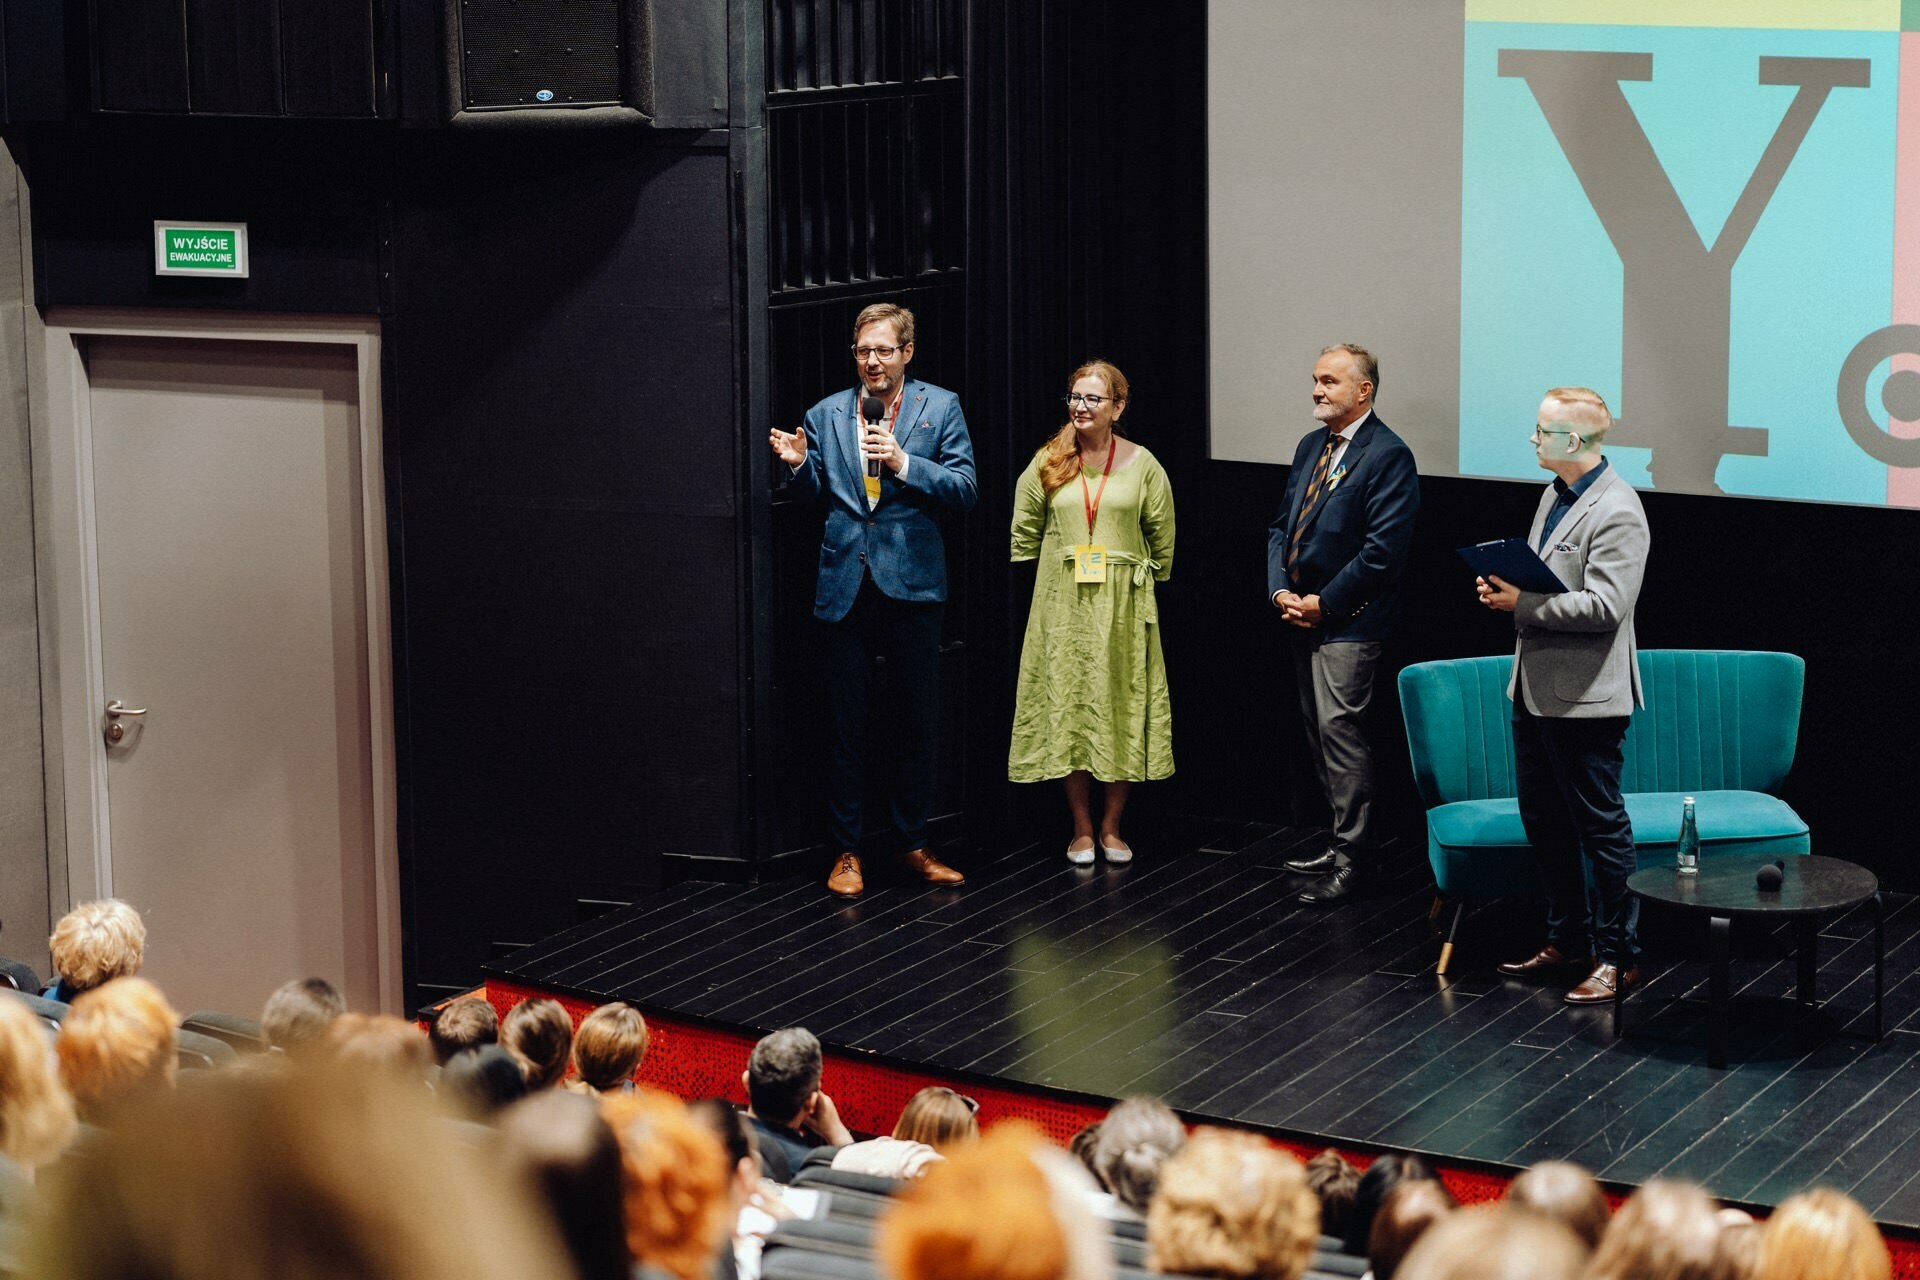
<point x="1092" y="499"/>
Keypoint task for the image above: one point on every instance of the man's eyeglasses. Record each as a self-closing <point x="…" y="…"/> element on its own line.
<point x="1538" y="431"/>
<point x="881" y="353"/>
<point x="1092" y="402"/>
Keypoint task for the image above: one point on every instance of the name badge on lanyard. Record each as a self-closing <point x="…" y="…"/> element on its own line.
<point x="1090" y="557"/>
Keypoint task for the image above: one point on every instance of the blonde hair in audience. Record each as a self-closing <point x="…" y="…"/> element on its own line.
<point x="36" y="1115"/>
<point x="676" y="1178"/>
<point x="1494" y="1242"/>
<point x="1666" y="1230"/>
<point x="540" y="1034"/>
<point x="1822" y="1235"/>
<point x="117" y="1046"/>
<point x="610" y="1046"/>
<point x="97" y="942"/>
<point x="938" y="1117"/>
<point x="300" y="1175"/>
<point x="993" y="1211"/>
<point x="394" y="1048"/>
<point x="1232" y="1204"/>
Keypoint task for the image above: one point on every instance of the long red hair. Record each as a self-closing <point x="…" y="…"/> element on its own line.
<point x="1060" y="455"/>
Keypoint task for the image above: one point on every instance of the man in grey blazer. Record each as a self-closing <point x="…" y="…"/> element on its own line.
<point x="1576" y="681"/>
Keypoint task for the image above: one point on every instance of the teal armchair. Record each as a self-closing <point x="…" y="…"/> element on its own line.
<point x="1719" y="725"/>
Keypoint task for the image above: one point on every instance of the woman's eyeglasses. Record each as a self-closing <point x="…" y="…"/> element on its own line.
<point x="1092" y="402"/>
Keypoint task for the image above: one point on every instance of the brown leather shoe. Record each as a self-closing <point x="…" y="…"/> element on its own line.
<point x="931" y="869"/>
<point x="1602" y="983"/>
<point x="845" y="879"/>
<point x="1548" y="960"/>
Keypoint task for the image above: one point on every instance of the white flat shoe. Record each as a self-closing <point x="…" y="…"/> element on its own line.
<point x="1080" y="857"/>
<point x="1117" y="857"/>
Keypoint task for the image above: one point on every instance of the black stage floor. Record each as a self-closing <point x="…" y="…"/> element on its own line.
<point x="1199" y="977"/>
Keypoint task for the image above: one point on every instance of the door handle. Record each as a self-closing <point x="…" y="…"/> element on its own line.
<point x="115" y="732"/>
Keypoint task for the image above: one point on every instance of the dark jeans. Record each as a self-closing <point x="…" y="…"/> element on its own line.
<point x="1569" y="776"/>
<point x="908" y="637"/>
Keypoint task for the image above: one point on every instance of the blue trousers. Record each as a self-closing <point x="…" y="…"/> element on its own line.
<point x="907" y="636"/>
<point x="1569" y="775"/>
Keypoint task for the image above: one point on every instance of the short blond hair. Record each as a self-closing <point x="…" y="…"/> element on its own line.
<point x="988" y="1212"/>
<point x="1823" y="1235"/>
<point x="938" y="1117"/>
<point x="97" y="942"/>
<point x="1232" y="1204"/>
<point x="609" y="1046"/>
<point x="1595" y="406"/>
<point x="381" y="1044"/>
<point x="886" y="313"/>
<point x="36" y="1115"/>
<point x="1665" y="1231"/>
<point x="119" y="1044"/>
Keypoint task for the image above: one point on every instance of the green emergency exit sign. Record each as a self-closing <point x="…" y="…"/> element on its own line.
<point x="200" y="249"/>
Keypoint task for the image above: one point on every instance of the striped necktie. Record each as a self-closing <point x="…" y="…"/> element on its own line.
<point x="1316" y="485"/>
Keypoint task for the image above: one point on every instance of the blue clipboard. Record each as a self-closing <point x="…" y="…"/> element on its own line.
<point x="1513" y="560"/>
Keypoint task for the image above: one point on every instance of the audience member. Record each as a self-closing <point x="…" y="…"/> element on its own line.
<point x="1493" y="1242"/>
<point x="1136" y="1138"/>
<point x="297" y="1015"/>
<point x="1382" y="1176"/>
<point x="286" y="1174"/>
<point x="540" y="1034"/>
<point x="608" y="1048"/>
<point x="391" y="1047"/>
<point x="1404" y="1216"/>
<point x="36" y="1114"/>
<point x="1567" y="1194"/>
<point x="935" y="1120"/>
<point x="1231" y="1204"/>
<point x="1081" y="1147"/>
<point x="483" y="1081"/>
<point x="1740" y="1241"/>
<point x="93" y="944"/>
<point x="745" y="1194"/>
<point x="559" y="1147"/>
<point x="676" y="1185"/>
<point x="466" y="1023"/>
<point x="1822" y="1235"/>
<point x="1666" y="1230"/>
<point x="789" y="1113"/>
<point x="1005" y="1208"/>
<point x="1333" y="1180"/>
<point x="118" y="1048"/>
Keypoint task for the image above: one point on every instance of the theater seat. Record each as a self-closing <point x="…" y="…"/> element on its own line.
<point x="1719" y="725"/>
<point x="243" y="1034"/>
<point x="51" y="1012"/>
<point x="813" y="1174"/>
<point x="786" y="1263"/>
<point x="197" y="1052"/>
<point x="18" y="975"/>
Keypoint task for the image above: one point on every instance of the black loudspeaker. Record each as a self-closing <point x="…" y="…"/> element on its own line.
<point x="559" y="62"/>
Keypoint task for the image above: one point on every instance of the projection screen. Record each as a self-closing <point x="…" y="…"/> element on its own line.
<point x="1707" y="210"/>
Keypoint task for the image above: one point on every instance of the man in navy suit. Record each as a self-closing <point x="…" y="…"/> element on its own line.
<point x="1334" y="559"/>
<point x="883" y="572"/>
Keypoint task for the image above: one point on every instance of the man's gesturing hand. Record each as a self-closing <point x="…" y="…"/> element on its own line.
<point x="790" y="449"/>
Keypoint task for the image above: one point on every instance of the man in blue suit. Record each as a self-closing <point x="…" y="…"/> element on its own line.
<point x="883" y="571"/>
<point x="1334" y="559"/>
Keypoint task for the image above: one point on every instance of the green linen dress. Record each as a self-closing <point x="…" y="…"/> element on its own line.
<point x="1093" y="685"/>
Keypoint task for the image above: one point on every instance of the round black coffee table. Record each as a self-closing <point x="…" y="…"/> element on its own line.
<point x="1811" y="889"/>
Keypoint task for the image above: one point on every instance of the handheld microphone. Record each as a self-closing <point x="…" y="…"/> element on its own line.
<point x="873" y="408"/>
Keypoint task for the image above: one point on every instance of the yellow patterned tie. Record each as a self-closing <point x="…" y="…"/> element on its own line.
<point x="1316" y="483"/>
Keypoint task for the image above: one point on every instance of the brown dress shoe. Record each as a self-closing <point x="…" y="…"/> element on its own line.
<point x="845" y="879"/>
<point x="931" y="869"/>
<point x="1549" y="959"/>
<point x="1601" y="984"/>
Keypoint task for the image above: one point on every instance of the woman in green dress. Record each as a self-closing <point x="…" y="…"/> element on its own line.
<point x="1096" y="511"/>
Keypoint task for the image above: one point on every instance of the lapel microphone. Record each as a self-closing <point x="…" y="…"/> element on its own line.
<point x="873" y="408"/>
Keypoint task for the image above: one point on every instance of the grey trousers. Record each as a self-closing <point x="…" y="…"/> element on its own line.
<point x="1336" y="684"/>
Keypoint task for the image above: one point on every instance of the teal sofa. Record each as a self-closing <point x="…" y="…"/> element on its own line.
<point x="1719" y="725"/>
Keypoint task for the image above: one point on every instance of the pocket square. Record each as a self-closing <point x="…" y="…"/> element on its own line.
<point x="1566" y="546"/>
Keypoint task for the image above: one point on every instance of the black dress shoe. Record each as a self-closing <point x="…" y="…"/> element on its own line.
<point x="1318" y="865"/>
<point x="1345" y="882"/>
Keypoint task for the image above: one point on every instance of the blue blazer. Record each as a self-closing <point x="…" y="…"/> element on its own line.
<point x="1357" y="536"/>
<point x="899" y="541"/>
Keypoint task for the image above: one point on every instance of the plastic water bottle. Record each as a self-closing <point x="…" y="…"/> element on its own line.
<point x="1687" y="858"/>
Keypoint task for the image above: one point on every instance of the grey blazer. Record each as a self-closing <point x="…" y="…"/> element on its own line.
<point x="1575" y="655"/>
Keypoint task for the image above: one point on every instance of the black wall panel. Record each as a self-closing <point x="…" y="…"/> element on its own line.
<point x="330" y="52"/>
<point x="233" y="57"/>
<point x="139" y="55"/>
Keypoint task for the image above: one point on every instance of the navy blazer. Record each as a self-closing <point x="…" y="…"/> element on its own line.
<point x="1357" y="536"/>
<point x="898" y="541"/>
